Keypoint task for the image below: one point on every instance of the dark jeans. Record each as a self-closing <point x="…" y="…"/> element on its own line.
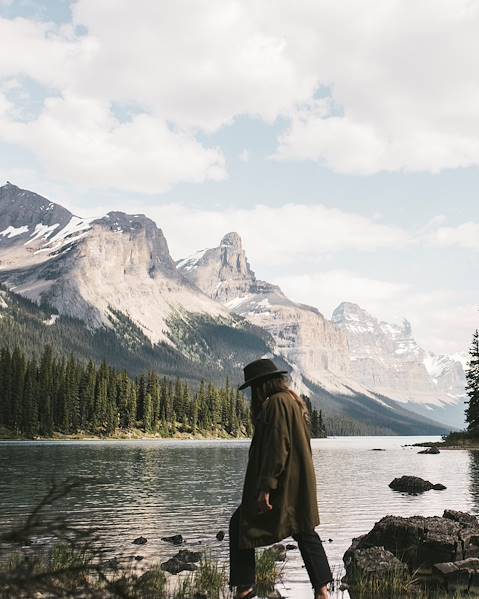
<point x="242" y="561"/>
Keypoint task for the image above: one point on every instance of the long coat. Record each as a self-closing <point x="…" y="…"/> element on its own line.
<point x="280" y="462"/>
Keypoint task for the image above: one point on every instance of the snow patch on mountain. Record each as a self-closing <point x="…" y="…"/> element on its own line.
<point x="386" y="358"/>
<point x="13" y="231"/>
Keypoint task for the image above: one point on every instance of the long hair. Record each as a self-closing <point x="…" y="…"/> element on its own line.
<point x="266" y="388"/>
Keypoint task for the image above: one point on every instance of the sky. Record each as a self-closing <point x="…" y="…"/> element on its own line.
<point x="339" y="139"/>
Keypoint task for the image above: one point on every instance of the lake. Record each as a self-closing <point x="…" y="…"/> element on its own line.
<point x="158" y="488"/>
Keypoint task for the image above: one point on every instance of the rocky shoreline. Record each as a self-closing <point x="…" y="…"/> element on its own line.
<point x="437" y="553"/>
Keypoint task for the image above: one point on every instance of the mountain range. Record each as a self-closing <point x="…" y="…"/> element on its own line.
<point x="208" y="314"/>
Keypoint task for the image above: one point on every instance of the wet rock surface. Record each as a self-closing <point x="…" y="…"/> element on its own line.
<point x="414" y="484"/>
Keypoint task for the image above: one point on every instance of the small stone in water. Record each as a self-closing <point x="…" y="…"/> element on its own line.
<point x="290" y="547"/>
<point x="175" y="539"/>
<point x="140" y="541"/>
<point x="138" y="558"/>
<point x="220" y="535"/>
<point x="175" y="566"/>
<point x="185" y="555"/>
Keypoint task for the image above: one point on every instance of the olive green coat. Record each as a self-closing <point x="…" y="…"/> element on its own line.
<point x="279" y="461"/>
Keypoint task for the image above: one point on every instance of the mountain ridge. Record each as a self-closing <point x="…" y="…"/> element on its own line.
<point x="116" y="273"/>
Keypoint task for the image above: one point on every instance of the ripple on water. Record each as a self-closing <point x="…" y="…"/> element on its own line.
<point x="160" y="488"/>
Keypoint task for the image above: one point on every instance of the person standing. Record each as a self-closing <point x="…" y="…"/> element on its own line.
<point x="279" y="491"/>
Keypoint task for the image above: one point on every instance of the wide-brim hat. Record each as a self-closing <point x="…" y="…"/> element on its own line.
<point x="260" y="369"/>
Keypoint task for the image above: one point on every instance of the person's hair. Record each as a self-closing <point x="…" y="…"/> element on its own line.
<point x="264" y="389"/>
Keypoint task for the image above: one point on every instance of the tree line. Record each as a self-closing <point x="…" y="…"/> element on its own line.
<point x="69" y="396"/>
<point x="39" y="397"/>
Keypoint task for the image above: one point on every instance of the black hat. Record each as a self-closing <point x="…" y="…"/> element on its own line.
<point x="259" y="369"/>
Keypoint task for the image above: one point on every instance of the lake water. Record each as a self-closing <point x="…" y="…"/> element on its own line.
<point x="159" y="488"/>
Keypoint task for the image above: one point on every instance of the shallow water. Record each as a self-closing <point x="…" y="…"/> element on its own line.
<point x="159" y="488"/>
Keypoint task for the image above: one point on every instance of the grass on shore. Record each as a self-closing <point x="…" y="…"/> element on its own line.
<point x="396" y="585"/>
<point x="120" y="434"/>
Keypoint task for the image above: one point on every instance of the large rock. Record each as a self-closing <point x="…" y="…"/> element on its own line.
<point x="440" y="550"/>
<point x="414" y="484"/>
<point x="460" y="576"/>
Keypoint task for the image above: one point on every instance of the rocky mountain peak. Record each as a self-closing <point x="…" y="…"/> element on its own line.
<point x="141" y="229"/>
<point x="222" y="272"/>
<point x="232" y="240"/>
<point x="22" y="210"/>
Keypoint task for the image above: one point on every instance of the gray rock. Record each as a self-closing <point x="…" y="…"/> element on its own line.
<point x="278" y="551"/>
<point x="373" y="562"/>
<point x="140" y="541"/>
<point x="422" y="541"/>
<point x="457" y="576"/>
<point x="175" y="566"/>
<point x="185" y="555"/>
<point x="413" y="484"/>
<point x="462" y="517"/>
<point x="174" y="539"/>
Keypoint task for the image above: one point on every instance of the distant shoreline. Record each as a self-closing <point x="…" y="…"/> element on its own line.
<point x="123" y="437"/>
<point x="464" y="444"/>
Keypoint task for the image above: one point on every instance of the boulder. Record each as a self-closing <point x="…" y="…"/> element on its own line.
<point x="437" y="550"/>
<point x="413" y="484"/>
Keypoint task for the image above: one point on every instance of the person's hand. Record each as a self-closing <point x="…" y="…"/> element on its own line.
<point x="264" y="504"/>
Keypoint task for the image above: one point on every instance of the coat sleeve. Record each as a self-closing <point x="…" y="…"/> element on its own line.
<point x="276" y="445"/>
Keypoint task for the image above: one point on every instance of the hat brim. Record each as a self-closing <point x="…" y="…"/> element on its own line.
<point x="265" y="375"/>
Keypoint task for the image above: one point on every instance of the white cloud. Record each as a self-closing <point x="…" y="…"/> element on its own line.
<point x="403" y="80"/>
<point x="276" y="235"/>
<point x="78" y="140"/>
<point x="465" y="235"/>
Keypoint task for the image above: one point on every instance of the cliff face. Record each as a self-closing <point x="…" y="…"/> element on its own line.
<point x="352" y="353"/>
<point x="91" y="269"/>
<point x="301" y="333"/>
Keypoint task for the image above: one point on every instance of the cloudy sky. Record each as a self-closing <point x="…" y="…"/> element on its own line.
<point x="340" y="139"/>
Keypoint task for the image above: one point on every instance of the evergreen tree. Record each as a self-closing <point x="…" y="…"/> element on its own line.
<point x="472" y="385"/>
<point x="45" y="392"/>
<point x="148" y="413"/>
